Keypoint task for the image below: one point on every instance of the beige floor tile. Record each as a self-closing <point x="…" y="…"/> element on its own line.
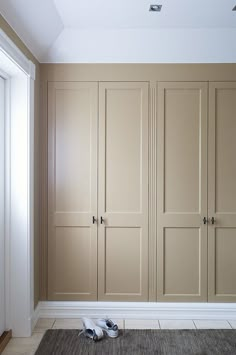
<point x="67" y="324"/>
<point x="141" y="324"/>
<point x="23" y="346"/>
<point x="20" y="350"/>
<point x="119" y="322"/>
<point x="34" y="339"/>
<point x="232" y="323"/>
<point x="212" y="324"/>
<point x="177" y="324"/>
<point x="40" y="331"/>
<point x="44" y="324"/>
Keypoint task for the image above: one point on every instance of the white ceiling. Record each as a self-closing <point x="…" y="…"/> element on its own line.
<point x="37" y="23"/>
<point x="125" y="30"/>
<point x="121" y="14"/>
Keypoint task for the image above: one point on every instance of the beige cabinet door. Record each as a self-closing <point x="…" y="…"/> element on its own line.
<point x="182" y="192"/>
<point x="72" y="171"/>
<point x="123" y="191"/>
<point x="222" y="192"/>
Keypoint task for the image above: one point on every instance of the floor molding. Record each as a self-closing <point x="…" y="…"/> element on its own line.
<point x="35" y="316"/>
<point x="4" y="340"/>
<point x="137" y="310"/>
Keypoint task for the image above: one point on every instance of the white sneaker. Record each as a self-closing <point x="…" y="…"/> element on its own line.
<point x="109" y="327"/>
<point x="91" y="330"/>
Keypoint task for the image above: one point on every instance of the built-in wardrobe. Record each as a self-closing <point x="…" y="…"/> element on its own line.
<point x="139" y="172"/>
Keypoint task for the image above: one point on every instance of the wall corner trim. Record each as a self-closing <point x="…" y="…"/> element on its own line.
<point x="35" y="316"/>
<point x="13" y="52"/>
<point x="32" y="70"/>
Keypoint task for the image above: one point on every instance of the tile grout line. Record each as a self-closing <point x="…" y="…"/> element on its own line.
<point x="53" y="323"/>
<point x="156" y="323"/>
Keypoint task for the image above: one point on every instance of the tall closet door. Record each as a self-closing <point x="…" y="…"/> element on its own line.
<point x="123" y="191"/>
<point x="182" y="192"/>
<point x="72" y="171"/>
<point x="222" y="192"/>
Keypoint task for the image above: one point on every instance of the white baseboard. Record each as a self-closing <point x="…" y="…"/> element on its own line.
<point x="136" y="310"/>
<point x="35" y="316"/>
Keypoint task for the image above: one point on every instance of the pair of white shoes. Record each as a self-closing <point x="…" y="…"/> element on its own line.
<point x="95" y="330"/>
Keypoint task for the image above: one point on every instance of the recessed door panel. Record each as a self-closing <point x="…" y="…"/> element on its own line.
<point x="182" y="252"/>
<point x="123" y="124"/>
<point x="225" y="261"/>
<point x="123" y="276"/>
<point x="182" y="192"/>
<point x="72" y="167"/>
<point x="222" y="192"/>
<point x="74" y="261"/>
<point x="225" y="129"/>
<point x="73" y="150"/>
<point x="123" y="191"/>
<point x="182" y="160"/>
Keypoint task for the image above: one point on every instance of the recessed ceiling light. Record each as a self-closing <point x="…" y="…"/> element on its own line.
<point x="155" y="8"/>
<point x="234" y="8"/>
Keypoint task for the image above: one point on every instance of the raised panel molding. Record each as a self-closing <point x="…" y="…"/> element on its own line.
<point x="152" y="190"/>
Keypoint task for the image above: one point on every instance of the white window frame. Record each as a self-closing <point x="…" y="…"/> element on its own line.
<point x="4" y="77"/>
<point x="6" y="185"/>
<point x="19" y="270"/>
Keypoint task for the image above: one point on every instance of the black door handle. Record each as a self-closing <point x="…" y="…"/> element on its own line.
<point x="102" y="220"/>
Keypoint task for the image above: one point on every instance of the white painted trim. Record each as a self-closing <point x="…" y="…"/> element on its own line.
<point x="35" y="316"/>
<point x="14" y="53"/>
<point x="31" y="186"/>
<point x="138" y="310"/>
<point x="2" y="204"/>
<point x="19" y="260"/>
<point x="32" y="70"/>
<point x="4" y="75"/>
<point x="7" y="198"/>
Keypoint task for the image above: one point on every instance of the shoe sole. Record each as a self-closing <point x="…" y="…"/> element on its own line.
<point x="111" y="333"/>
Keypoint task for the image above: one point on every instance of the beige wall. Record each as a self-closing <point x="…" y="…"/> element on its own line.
<point x="13" y="36"/>
<point x="152" y="73"/>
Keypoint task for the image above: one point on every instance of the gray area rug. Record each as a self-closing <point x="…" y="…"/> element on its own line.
<point x="141" y="342"/>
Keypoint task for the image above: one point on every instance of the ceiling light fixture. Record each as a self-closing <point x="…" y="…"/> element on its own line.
<point x="155" y="8"/>
<point x="234" y="8"/>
